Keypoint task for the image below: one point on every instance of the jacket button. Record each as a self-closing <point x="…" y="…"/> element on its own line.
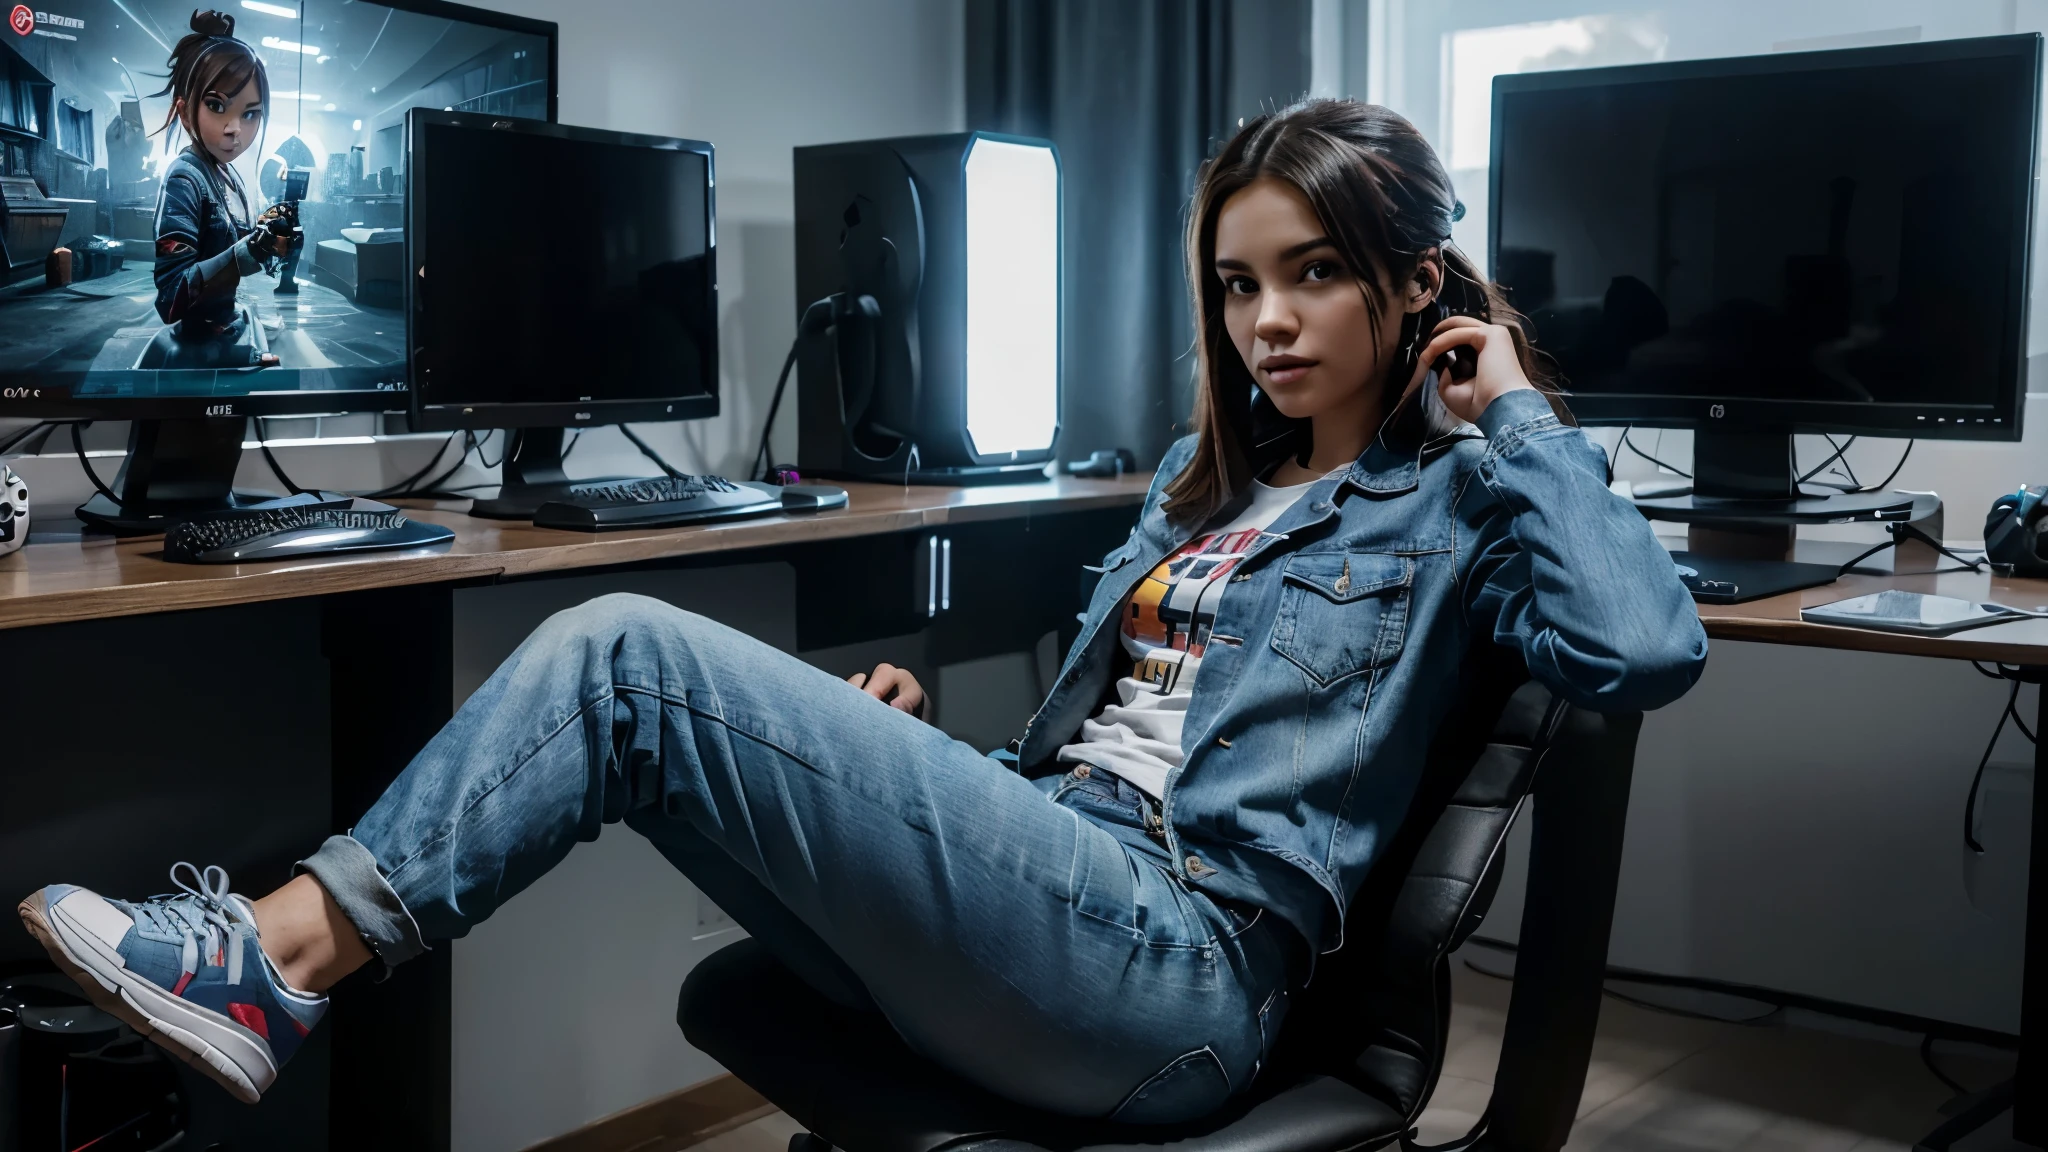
<point x="1195" y="864"/>
<point x="1222" y="743"/>
<point x="1320" y="506"/>
<point x="1081" y="773"/>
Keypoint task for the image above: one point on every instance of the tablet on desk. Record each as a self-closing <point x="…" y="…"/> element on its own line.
<point x="1893" y="610"/>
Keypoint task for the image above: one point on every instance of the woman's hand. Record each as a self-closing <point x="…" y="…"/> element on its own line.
<point x="895" y="687"/>
<point x="1498" y="370"/>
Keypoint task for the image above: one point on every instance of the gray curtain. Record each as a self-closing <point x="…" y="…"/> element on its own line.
<point x="1136" y="94"/>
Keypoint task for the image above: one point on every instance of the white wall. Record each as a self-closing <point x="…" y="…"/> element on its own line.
<point x="565" y="1001"/>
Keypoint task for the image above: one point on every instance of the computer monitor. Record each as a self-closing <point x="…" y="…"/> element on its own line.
<point x="84" y="157"/>
<point x="1805" y="242"/>
<point x="599" y="307"/>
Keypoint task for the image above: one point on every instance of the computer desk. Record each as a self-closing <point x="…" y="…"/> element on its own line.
<point x="2024" y="643"/>
<point x="387" y="632"/>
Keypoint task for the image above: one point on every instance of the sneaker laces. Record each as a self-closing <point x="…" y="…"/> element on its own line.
<point x="201" y="912"/>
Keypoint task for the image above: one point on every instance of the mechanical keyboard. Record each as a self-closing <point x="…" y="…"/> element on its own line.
<point x="277" y="533"/>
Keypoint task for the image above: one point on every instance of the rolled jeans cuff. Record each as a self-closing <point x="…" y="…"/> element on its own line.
<point x="349" y="873"/>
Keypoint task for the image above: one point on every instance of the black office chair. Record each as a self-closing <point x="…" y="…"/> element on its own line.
<point x="1360" y="1052"/>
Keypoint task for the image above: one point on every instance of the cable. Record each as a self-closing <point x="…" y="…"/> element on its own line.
<point x="78" y="445"/>
<point x="405" y="485"/>
<point x="648" y="451"/>
<point x="1823" y="465"/>
<point x="1977" y="780"/>
<point x="483" y="463"/>
<point x="1652" y="1006"/>
<point x="468" y="446"/>
<point x="761" y="459"/>
<point x="276" y="469"/>
<point x="1927" y="1058"/>
<point x="22" y="436"/>
<point x="1898" y="533"/>
<point x="1885" y="483"/>
<point x="1630" y="445"/>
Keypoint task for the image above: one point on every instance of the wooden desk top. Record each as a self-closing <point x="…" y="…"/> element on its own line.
<point x="1776" y="620"/>
<point x="49" y="583"/>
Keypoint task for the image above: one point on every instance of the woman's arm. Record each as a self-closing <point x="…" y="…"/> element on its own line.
<point x="183" y="277"/>
<point x="1555" y="565"/>
<point x="1569" y="574"/>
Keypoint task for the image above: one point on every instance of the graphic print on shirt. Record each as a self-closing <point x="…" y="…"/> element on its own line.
<point x="1173" y="607"/>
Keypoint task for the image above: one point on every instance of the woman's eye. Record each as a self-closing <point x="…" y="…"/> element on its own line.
<point x="1240" y="285"/>
<point x="1320" y="270"/>
<point x="253" y="114"/>
<point x="216" y="107"/>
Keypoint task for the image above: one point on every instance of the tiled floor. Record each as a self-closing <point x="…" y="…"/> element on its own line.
<point x="1666" y="1083"/>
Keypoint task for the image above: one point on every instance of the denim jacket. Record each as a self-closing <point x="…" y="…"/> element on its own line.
<point x="199" y="239"/>
<point x="1336" y="647"/>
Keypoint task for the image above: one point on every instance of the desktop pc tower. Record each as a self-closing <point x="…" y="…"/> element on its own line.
<point x="928" y="304"/>
<point x="1767" y="245"/>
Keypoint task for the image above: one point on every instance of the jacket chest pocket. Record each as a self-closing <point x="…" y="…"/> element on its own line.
<point x="1342" y="613"/>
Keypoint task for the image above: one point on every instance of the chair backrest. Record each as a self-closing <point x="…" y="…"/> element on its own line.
<point x="1376" y="1012"/>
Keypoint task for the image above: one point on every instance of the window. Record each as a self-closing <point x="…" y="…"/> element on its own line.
<point x="74" y="130"/>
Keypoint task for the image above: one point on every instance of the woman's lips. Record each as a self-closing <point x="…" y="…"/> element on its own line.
<point x="1285" y="369"/>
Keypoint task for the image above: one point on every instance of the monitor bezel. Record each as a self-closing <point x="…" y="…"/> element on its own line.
<point x="431" y="417"/>
<point x="1999" y="420"/>
<point x="29" y="402"/>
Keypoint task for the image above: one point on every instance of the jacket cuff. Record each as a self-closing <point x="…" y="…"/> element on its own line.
<point x="1521" y="406"/>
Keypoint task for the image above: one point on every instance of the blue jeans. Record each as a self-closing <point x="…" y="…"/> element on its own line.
<point x="1024" y="934"/>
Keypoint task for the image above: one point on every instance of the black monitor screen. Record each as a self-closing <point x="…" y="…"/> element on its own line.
<point x="156" y="305"/>
<point x="598" y="287"/>
<point x="1843" y="237"/>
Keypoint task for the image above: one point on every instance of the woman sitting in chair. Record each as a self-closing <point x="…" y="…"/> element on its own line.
<point x="1375" y="484"/>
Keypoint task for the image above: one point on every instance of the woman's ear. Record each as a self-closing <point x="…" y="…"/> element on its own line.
<point x="1425" y="285"/>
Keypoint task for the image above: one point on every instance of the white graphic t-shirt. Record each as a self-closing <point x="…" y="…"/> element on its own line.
<point x="1165" y="628"/>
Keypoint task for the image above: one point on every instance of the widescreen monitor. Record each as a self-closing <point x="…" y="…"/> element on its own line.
<point x="84" y="156"/>
<point x="1801" y="242"/>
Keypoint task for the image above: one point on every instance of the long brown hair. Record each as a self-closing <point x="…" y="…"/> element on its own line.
<point x="1385" y="200"/>
<point x="210" y="59"/>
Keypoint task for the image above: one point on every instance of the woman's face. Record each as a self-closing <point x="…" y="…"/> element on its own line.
<point x="227" y="126"/>
<point x="1294" y="309"/>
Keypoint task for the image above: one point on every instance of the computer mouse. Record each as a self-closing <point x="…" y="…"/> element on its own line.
<point x="812" y="497"/>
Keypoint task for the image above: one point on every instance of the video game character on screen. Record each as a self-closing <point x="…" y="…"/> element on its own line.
<point x="212" y="204"/>
<point x="205" y="248"/>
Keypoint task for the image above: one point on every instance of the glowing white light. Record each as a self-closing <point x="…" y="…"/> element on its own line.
<point x="308" y="97"/>
<point x="290" y="46"/>
<point x="271" y="9"/>
<point x="327" y="107"/>
<point x="1013" y="296"/>
<point x="356" y="127"/>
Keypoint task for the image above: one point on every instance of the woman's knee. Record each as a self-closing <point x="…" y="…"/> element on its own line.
<point x="617" y="616"/>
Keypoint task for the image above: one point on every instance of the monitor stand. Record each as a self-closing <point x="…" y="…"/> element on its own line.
<point x="180" y="469"/>
<point x="1743" y="513"/>
<point x="532" y="475"/>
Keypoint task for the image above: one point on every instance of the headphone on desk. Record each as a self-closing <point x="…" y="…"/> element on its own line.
<point x="2012" y="532"/>
<point x="13" y="511"/>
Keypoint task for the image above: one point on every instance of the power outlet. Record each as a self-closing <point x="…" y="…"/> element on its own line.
<point x="711" y="919"/>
